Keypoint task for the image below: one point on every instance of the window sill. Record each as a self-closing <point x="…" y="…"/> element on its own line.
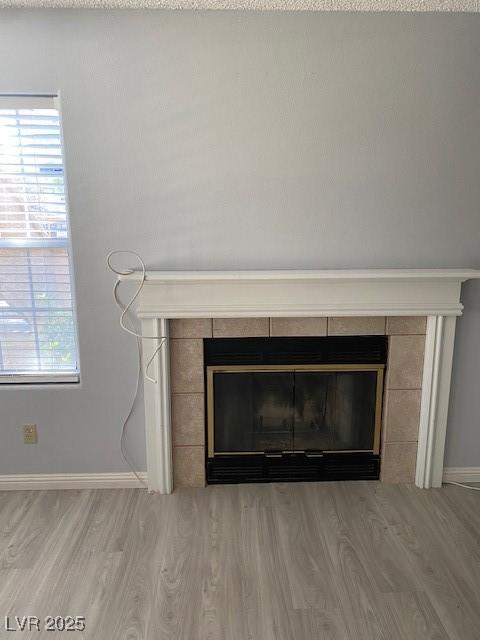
<point x="44" y="380"/>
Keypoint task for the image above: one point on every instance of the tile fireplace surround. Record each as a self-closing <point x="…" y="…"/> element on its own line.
<point x="417" y="309"/>
<point x="402" y="387"/>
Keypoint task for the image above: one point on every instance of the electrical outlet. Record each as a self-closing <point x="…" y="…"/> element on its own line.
<point x="30" y="434"/>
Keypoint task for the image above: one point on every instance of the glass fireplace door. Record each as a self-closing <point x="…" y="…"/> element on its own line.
<point x="254" y="411"/>
<point x="335" y="410"/>
<point x="294" y="409"/>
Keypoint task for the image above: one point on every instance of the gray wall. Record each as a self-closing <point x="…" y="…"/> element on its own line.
<point x="247" y="140"/>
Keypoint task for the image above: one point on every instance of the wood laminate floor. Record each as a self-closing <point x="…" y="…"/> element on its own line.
<point x="337" y="561"/>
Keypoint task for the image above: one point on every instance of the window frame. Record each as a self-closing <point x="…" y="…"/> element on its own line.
<point x="43" y="379"/>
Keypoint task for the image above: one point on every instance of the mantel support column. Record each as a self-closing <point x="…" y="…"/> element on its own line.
<point x="158" y="436"/>
<point x="437" y="371"/>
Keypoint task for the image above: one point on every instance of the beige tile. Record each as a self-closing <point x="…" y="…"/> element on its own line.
<point x="398" y="462"/>
<point x="298" y="327"/>
<point x="402" y="415"/>
<point x="186" y="366"/>
<point x="188" y="467"/>
<point x="240" y="327"/>
<point x="356" y="326"/>
<point x="191" y="328"/>
<point x="405" y="362"/>
<point x="188" y="419"/>
<point x="406" y="325"/>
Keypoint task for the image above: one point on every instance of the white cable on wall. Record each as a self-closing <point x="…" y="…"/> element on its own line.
<point x="125" y="308"/>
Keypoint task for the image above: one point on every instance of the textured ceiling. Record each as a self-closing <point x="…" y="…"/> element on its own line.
<point x="262" y="5"/>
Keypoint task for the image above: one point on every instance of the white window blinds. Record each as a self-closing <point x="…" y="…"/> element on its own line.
<point x="37" y="324"/>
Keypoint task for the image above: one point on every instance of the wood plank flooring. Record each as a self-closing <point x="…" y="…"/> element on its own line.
<point x="336" y="561"/>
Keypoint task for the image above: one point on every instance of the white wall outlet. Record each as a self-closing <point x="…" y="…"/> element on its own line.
<point x="30" y="434"/>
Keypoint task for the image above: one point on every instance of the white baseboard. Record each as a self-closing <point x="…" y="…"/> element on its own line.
<point x="461" y="474"/>
<point x="16" y="482"/>
<point x="126" y="480"/>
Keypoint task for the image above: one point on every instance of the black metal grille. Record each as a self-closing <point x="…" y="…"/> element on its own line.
<point x="316" y="350"/>
<point x="293" y="468"/>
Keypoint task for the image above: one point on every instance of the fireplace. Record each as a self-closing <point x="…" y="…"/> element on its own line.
<point x="415" y="308"/>
<point x="294" y="408"/>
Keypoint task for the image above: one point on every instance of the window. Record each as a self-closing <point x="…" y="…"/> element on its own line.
<point x="37" y="323"/>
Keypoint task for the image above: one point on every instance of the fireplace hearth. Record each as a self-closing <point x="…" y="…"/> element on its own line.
<point x="286" y="409"/>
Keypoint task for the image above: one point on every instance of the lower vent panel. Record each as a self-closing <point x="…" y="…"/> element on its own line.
<point x="292" y="467"/>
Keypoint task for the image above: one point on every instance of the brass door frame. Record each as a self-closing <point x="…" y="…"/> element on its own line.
<point x="212" y="370"/>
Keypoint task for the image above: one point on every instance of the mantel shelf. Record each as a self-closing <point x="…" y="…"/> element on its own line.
<point x="358" y="292"/>
<point x="459" y="275"/>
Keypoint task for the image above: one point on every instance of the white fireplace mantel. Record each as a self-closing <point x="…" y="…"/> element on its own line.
<point x="187" y="294"/>
<point x="434" y="293"/>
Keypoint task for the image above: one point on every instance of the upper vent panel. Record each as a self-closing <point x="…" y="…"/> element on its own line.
<point x="314" y="350"/>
